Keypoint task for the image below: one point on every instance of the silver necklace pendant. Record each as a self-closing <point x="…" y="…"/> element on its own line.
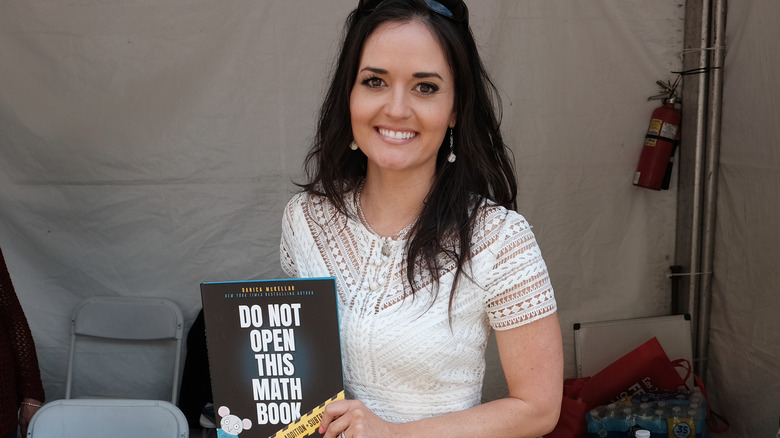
<point x="387" y="242"/>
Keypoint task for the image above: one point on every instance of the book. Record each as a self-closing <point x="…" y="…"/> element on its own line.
<point x="274" y="355"/>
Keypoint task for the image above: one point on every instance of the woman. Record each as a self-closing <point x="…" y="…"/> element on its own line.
<point x="410" y="206"/>
<point x="21" y="391"/>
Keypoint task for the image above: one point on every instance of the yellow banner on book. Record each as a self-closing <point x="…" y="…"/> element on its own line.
<point x="309" y="422"/>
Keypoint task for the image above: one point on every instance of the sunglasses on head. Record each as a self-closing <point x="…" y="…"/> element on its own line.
<point x="454" y="10"/>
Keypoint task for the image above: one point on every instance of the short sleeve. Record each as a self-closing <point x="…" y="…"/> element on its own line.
<point x="519" y="288"/>
<point x="287" y="244"/>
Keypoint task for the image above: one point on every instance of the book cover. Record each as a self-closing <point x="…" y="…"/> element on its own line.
<point x="274" y="355"/>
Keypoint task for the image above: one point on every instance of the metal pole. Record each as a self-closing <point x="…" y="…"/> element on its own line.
<point x="711" y="188"/>
<point x="698" y="172"/>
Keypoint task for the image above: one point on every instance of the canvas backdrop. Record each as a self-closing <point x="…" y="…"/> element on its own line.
<point x="148" y="146"/>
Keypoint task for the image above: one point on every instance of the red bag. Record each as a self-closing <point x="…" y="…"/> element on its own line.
<point x="645" y="369"/>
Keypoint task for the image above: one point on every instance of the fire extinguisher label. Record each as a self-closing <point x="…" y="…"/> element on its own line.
<point x="655" y="126"/>
<point x="669" y="131"/>
<point x="650" y="142"/>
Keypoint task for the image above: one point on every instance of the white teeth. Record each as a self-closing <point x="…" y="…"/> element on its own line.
<point x="398" y="135"/>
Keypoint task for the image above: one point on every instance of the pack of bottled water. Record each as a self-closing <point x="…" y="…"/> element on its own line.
<point x="663" y="414"/>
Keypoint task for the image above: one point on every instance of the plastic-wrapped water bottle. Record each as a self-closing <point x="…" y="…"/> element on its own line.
<point x="644" y="415"/>
<point x="631" y="420"/>
<point x="679" y="425"/>
<point x="658" y="425"/>
<point x="698" y="415"/>
<point x="696" y="395"/>
<point x="596" y="426"/>
<point x="614" y="421"/>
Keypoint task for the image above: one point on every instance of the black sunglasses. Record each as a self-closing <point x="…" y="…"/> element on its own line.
<point x="454" y="10"/>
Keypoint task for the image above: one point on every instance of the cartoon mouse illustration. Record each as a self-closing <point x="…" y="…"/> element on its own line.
<point x="231" y="425"/>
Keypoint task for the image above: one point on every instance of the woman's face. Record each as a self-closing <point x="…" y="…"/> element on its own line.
<point x="402" y="101"/>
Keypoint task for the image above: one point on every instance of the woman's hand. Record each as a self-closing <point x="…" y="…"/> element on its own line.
<point x="26" y="412"/>
<point x="352" y="419"/>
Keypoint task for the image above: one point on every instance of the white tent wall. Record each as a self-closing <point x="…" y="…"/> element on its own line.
<point x="744" y="347"/>
<point x="148" y="146"/>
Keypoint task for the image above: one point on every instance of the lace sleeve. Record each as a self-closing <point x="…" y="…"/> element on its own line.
<point x="518" y="284"/>
<point x="287" y="244"/>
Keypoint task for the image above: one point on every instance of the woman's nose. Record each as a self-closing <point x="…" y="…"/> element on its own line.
<point x="397" y="105"/>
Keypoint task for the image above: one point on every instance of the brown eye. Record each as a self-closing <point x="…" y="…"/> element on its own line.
<point x="373" y="82"/>
<point x="427" y="88"/>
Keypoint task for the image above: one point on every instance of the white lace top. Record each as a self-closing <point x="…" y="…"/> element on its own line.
<point x="400" y="355"/>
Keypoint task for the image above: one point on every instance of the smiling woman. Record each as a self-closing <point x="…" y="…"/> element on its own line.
<point x="410" y="204"/>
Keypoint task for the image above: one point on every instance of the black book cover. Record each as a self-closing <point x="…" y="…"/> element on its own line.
<point x="274" y="355"/>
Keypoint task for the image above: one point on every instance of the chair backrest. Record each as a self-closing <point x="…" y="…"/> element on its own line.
<point x="126" y="347"/>
<point x="116" y="418"/>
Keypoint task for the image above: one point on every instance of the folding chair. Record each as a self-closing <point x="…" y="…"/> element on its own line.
<point x="125" y="347"/>
<point x="116" y="418"/>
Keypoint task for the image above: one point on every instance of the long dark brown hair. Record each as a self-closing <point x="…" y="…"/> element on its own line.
<point x="483" y="170"/>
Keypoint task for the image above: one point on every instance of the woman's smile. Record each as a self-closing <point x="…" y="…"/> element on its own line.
<point x="396" y="135"/>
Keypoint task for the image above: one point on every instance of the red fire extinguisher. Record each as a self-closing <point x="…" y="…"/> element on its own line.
<point x="655" y="164"/>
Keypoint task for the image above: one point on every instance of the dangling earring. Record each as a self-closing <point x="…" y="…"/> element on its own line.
<point x="451" y="157"/>
<point x="353" y="145"/>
